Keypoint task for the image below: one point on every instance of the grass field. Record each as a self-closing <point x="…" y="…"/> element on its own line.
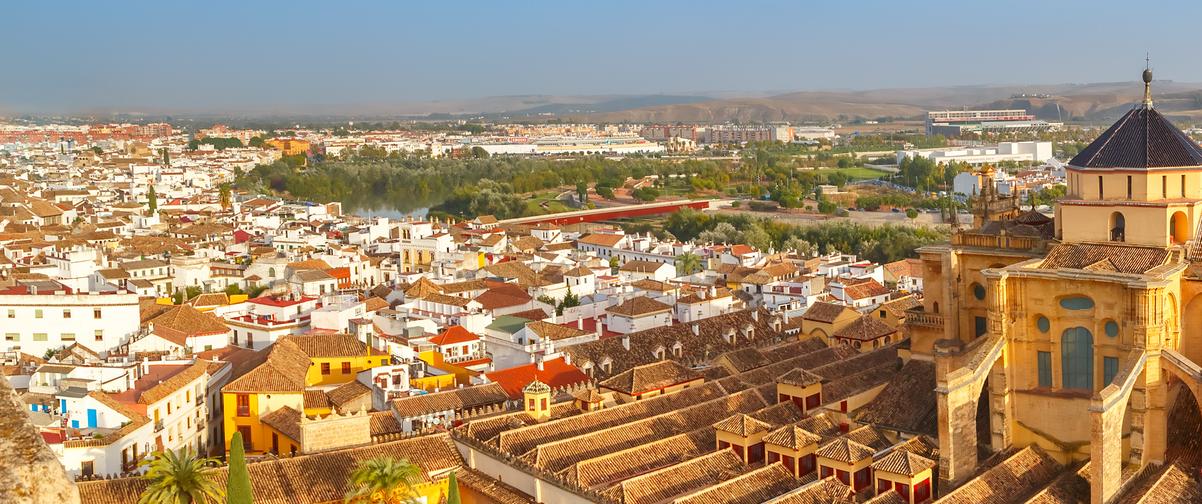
<point x="855" y="173"/>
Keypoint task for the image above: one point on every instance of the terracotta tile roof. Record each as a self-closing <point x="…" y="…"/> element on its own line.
<point x="799" y="377"/>
<point x="742" y="360"/>
<point x="314" y="398"/>
<point x="305" y="479"/>
<point x="309" y="264"/>
<point x="554" y="332"/>
<point x="181" y="322"/>
<point x="753" y="487"/>
<point x="1013" y="479"/>
<point x="742" y="425"/>
<point x="503" y="297"/>
<point x="822" y="311"/>
<point x="614" y="467"/>
<point x="824" y="491"/>
<point x="863" y="290"/>
<point x="283" y="371"/>
<point x="910" y="267"/>
<point x="458" y="399"/>
<point x="286" y="420"/>
<point x="650" y="377"/>
<point x="331" y="345"/>
<point x="903" y="462"/>
<point x="865" y="328"/>
<point x="384" y="423"/>
<point x="1123" y="258"/>
<point x="639" y="306"/>
<point x="174" y="383"/>
<point x="556" y="373"/>
<point x="601" y="240"/>
<point x="421" y="288"/>
<point x="897" y="307"/>
<point x="792" y="437"/>
<point x="1176" y="483"/>
<point x="493" y="491"/>
<point x="347" y="392"/>
<point x="907" y="403"/>
<point x="453" y="335"/>
<point x="641" y="266"/>
<point x="680" y="479"/>
<point x="1072" y="487"/>
<point x="648" y="284"/>
<point x="375" y="303"/>
<point x="713" y="335"/>
<point x="444" y="299"/>
<point x="845" y="450"/>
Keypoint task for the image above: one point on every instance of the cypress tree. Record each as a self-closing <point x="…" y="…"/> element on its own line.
<point x="238" y="486"/>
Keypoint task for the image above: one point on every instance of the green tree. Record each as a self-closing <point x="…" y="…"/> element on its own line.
<point x="152" y="200"/>
<point x="911" y="213"/>
<point x="800" y="246"/>
<point x="97" y="150"/>
<point x="687" y="263"/>
<point x="179" y="477"/>
<point x="383" y="480"/>
<point x="166" y="157"/>
<point x="569" y="300"/>
<point x="605" y="191"/>
<point x="757" y="237"/>
<point x="238" y="489"/>
<point x="614" y="263"/>
<point x="225" y="196"/>
<point x="256" y="141"/>
<point x="582" y="192"/>
<point x="452" y="489"/>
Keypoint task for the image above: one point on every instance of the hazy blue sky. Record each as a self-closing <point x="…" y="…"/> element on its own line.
<point x="68" y="56"/>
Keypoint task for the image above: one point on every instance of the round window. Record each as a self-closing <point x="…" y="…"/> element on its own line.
<point x="978" y="291"/>
<point x="1043" y="324"/>
<point x="1112" y="328"/>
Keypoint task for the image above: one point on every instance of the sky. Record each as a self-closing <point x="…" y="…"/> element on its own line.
<point x="74" y="56"/>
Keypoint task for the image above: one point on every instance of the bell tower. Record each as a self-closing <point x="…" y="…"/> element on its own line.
<point x="537" y="396"/>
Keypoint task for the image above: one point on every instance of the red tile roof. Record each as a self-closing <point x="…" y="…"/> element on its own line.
<point x="454" y="334"/>
<point x="555" y="372"/>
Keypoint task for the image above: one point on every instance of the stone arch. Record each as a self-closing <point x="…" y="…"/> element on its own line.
<point x="1118" y="227"/>
<point x="965" y="376"/>
<point x="1179" y="227"/>
<point x="1190" y="341"/>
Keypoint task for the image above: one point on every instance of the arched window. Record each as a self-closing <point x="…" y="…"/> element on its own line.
<point x="271" y="272"/>
<point x="1076" y="358"/>
<point x="1179" y="228"/>
<point x="1118" y="227"/>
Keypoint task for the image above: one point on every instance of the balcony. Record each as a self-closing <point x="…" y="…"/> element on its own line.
<point x="967" y="239"/>
<point x="158" y="425"/>
<point x="200" y="401"/>
<point x="243" y="411"/>
<point x="920" y="318"/>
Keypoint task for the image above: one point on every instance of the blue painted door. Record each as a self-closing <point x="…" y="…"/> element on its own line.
<point x="75" y="424"/>
<point x="91" y="419"/>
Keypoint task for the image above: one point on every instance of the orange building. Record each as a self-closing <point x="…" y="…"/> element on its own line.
<point x="289" y="146"/>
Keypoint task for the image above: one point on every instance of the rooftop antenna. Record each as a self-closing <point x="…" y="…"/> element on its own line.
<point x="1148" y="81"/>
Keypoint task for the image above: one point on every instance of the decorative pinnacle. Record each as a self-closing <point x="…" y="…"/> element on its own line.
<point x="1148" y="82"/>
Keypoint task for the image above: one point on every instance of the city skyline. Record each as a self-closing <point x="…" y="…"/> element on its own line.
<point x="263" y="58"/>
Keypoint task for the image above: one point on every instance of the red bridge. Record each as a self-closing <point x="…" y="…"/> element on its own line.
<point x="619" y="212"/>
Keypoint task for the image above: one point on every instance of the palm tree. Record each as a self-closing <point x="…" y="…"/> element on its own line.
<point x="180" y="477"/>
<point x="383" y="480"/>
<point x="687" y="263"/>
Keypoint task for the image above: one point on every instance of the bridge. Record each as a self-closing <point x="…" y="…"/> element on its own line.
<point x="610" y="213"/>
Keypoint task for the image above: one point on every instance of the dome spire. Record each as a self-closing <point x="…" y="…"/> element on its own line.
<point x="1148" y="82"/>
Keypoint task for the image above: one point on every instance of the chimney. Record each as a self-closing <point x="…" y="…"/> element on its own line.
<point x="696" y="329"/>
<point x="567" y="359"/>
<point x="626" y="341"/>
<point x="755" y="315"/>
<point x="580" y="324"/>
<point x="539" y="364"/>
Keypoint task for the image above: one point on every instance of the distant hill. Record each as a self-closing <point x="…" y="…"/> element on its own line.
<point x="1075" y="102"/>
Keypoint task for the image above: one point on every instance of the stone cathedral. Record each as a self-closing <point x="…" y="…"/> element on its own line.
<point x="1081" y="333"/>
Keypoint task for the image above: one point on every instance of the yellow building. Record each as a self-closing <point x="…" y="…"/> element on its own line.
<point x="1079" y="335"/>
<point x="267" y="403"/>
<point x="289" y="146"/>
